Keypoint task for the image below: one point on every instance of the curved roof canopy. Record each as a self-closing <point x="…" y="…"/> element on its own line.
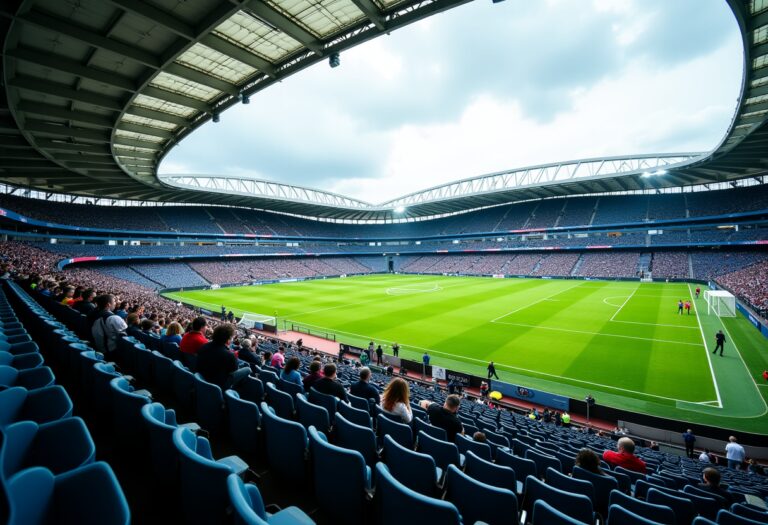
<point x="96" y="92"/>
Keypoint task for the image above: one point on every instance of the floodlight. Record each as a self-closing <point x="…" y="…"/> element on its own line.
<point x="400" y="209"/>
<point x="334" y="60"/>
<point x="215" y="117"/>
<point x="245" y="99"/>
<point x="647" y="174"/>
<point x="660" y="172"/>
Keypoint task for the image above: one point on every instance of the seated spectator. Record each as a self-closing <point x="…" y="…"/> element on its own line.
<point x="587" y="459"/>
<point x="755" y="468"/>
<point x="328" y="383"/>
<point x="278" y="360"/>
<point x="172" y="334"/>
<point x="134" y="326"/>
<point x="711" y="478"/>
<point x="249" y="354"/>
<point x="194" y="339"/>
<point x="395" y="400"/>
<point x="480" y="437"/>
<point x="363" y="388"/>
<point x="313" y="375"/>
<point x="108" y="326"/>
<point x="291" y="371"/>
<point x="216" y="362"/>
<point x="85" y="305"/>
<point x="67" y="297"/>
<point x="705" y="456"/>
<point x="122" y="310"/>
<point x="147" y="326"/>
<point x="445" y="416"/>
<point x="625" y="457"/>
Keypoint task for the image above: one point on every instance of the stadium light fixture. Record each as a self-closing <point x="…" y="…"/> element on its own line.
<point x="400" y="209"/>
<point x="334" y="60"/>
<point x="647" y="174"/>
<point x="245" y="99"/>
<point x="660" y="172"/>
<point x="215" y="117"/>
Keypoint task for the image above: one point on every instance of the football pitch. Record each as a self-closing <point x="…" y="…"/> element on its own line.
<point x="621" y="341"/>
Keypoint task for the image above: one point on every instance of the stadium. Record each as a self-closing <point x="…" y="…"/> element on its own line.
<point x="561" y="342"/>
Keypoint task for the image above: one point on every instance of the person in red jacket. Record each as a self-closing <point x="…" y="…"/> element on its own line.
<point x="195" y="338"/>
<point x="625" y="457"/>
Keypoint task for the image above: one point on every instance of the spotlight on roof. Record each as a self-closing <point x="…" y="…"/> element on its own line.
<point x="647" y="174"/>
<point x="334" y="60"/>
<point x="216" y="117"/>
<point x="245" y="99"/>
<point x="660" y="172"/>
<point x="400" y="209"/>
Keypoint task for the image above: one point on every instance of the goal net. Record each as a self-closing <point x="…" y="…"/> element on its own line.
<point x="720" y="303"/>
<point x="257" y="321"/>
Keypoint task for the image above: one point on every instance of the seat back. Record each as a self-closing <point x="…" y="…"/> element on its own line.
<point x="246" y="502"/>
<point x="618" y="514"/>
<point x="251" y="389"/>
<point x="396" y="499"/>
<point x="443" y="452"/>
<point x="161" y="424"/>
<point x="419" y="425"/>
<point x="682" y="507"/>
<point x="624" y="481"/>
<point x="209" y="404"/>
<point x="490" y="473"/>
<point x="244" y="418"/>
<point x="359" y="403"/>
<point x="311" y="414"/>
<point x="546" y="514"/>
<point x="162" y="371"/>
<point x="415" y="470"/>
<point x="749" y="512"/>
<point x="286" y="444"/>
<point x="725" y="517"/>
<point x="465" y="444"/>
<point x="543" y="461"/>
<point x="103" y="373"/>
<point x="659" y="513"/>
<point x="477" y="501"/>
<point x="183" y="386"/>
<point x="354" y="415"/>
<point x="126" y="414"/>
<point x="602" y="485"/>
<point x="280" y="401"/>
<point x="324" y="400"/>
<point x="289" y="387"/>
<point x="330" y="464"/>
<point x="203" y="480"/>
<point x="569" y="484"/>
<point x="522" y="467"/>
<point x="577" y="506"/>
<point x="356" y="437"/>
<point x="398" y="431"/>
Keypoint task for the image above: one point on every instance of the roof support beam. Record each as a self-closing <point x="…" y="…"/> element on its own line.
<point x="87" y="36"/>
<point x="226" y="47"/>
<point x="182" y="100"/>
<point x="372" y="12"/>
<point x="285" y="24"/>
<point x="128" y="154"/>
<point x="63" y="91"/>
<point x="39" y="126"/>
<point x="73" y="67"/>
<point x="146" y="130"/>
<point x="49" y="110"/>
<point x="136" y="143"/>
<point x="157" y="115"/>
<point x="158" y="16"/>
<point x="57" y="145"/>
<point x="201" y="78"/>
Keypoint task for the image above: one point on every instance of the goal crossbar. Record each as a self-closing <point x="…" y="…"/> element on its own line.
<point x="257" y="321"/>
<point x="720" y="303"/>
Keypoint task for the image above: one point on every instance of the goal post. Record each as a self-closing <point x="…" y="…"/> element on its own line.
<point x="256" y="321"/>
<point x="720" y="303"/>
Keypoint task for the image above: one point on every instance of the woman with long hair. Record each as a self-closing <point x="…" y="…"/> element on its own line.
<point x="290" y="371"/>
<point x="172" y="334"/>
<point x="395" y="400"/>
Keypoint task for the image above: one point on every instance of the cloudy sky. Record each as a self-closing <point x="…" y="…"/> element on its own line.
<point x="487" y="87"/>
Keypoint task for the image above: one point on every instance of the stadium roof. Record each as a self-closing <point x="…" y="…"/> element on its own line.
<point x="97" y="92"/>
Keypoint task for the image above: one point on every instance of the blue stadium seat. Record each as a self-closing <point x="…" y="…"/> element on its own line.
<point x="41" y="405"/>
<point x="21" y="361"/>
<point x="280" y="401"/>
<point x="209" y="405"/>
<point x="289" y="387"/>
<point x="522" y="467"/>
<point x="332" y="463"/>
<point x="624" y="481"/>
<point x="183" y="387"/>
<point x="661" y="513"/>
<point x="492" y="474"/>
<point x="682" y="507"/>
<point x="543" y="461"/>
<point x="465" y="444"/>
<point x="546" y="514"/>
<point x="286" y="443"/>
<point x="249" y="506"/>
<point x="30" y="379"/>
<point x="311" y="414"/>
<point x="443" y="452"/>
<point x="244" y="419"/>
<point x="251" y="389"/>
<point x="59" y="446"/>
<point x="725" y="517"/>
<point x="203" y="479"/>
<point x="89" y="495"/>
<point x="359" y="403"/>
<point x="161" y="424"/>
<point x="575" y="505"/>
<point x="398" y="501"/>
<point x="750" y="512"/>
<point x="721" y="501"/>
<point x="415" y="470"/>
<point x="568" y="484"/>
<point x="127" y="421"/>
<point x="477" y="501"/>
<point x="354" y="415"/>
<point x="324" y="400"/>
<point x="618" y="515"/>
<point x="399" y="432"/>
<point x="162" y="372"/>
<point x="103" y="374"/>
<point x="603" y="486"/>
<point x="419" y="425"/>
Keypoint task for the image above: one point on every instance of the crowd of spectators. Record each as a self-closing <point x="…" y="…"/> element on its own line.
<point x="556" y="264"/>
<point x="709" y="265"/>
<point x="672" y="265"/>
<point x="578" y="211"/>
<point x="749" y="284"/>
<point x="612" y="264"/>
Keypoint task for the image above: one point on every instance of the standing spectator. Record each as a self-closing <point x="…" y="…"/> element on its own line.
<point x="108" y="326"/>
<point x="396" y="349"/>
<point x="445" y="416"/>
<point x="395" y="400"/>
<point x="195" y="338"/>
<point x="492" y="370"/>
<point x="291" y="371"/>
<point x="734" y="453"/>
<point x="313" y="375"/>
<point x="217" y="363"/>
<point x="690" y="440"/>
<point x="425" y="362"/>
<point x="720" y="338"/>
<point x="379" y="355"/>
<point x="328" y="383"/>
<point x="363" y="388"/>
<point x="86" y="305"/>
<point x="484" y="390"/>
<point x="625" y="457"/>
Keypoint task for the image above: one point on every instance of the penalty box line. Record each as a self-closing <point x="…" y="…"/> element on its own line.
<point x="535" y="302"/>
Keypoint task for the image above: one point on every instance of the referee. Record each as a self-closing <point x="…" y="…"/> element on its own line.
<point x="720" y="337"/>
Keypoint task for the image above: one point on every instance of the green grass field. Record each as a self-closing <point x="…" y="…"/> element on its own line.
<point x="621" y="341"/>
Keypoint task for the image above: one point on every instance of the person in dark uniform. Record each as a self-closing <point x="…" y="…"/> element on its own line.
<point x="492" y="370"/>
<point x="396" y="350"/>
<point x="720" y="337"/>
<point x="689" y="439"/>
<point x="680" y="307"/>
<point x="379" y="355"/>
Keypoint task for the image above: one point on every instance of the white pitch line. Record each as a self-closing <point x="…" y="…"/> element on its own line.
<point x="535" y="302"/>
<point x="657" y="324"/>
<point x="510" y="367"/>
<point x="706" y="348"/>
<point x="554" y="329"/>
<point x="624" y="304"/>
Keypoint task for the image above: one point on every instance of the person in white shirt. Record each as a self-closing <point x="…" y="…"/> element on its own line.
<point x="395" y="400"/>
<point x="108" y="326"/>
<point x="704" y="456"/>
<point x="734" y="453"/>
